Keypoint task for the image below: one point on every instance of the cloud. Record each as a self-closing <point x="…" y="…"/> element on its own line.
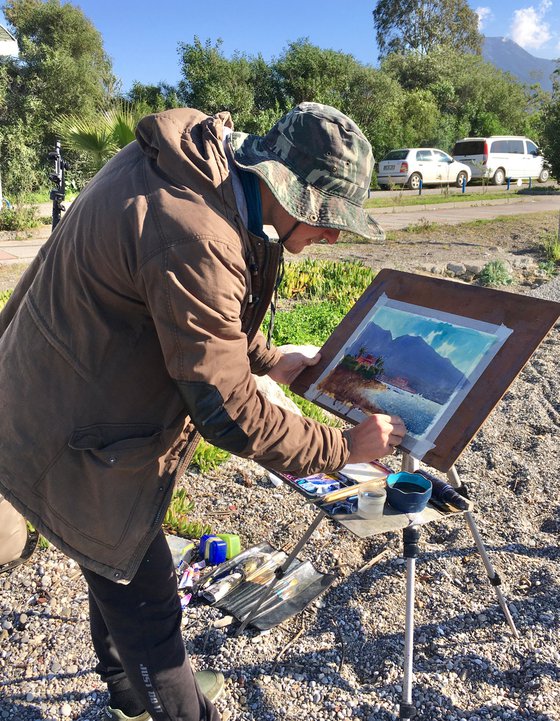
<point x="484" y="14"/>
<point x="529" y="28"/>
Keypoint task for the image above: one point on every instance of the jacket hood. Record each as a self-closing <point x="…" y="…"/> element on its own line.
<point x="182" y="140"/>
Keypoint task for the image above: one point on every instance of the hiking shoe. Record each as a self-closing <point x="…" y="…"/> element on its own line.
<point x="115" y="714"/>
<point x="211" y="683"/>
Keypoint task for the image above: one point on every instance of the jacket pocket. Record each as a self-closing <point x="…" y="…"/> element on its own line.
<point x="105" y="485"/>
<point x="124" y="446"/>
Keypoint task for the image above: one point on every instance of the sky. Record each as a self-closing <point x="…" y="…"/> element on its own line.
<point x="141" y="37"/>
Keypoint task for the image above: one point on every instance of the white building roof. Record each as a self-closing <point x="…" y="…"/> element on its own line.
<point x="8" y="43"/>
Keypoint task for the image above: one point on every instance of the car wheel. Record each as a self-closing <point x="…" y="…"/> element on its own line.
<point x="544" y="175"/>
<point x="462" y="176"/>
<point x="414" y="181"/>
<point x="499" y="177"/>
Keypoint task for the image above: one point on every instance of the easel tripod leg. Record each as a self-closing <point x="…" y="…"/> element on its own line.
<point x="495" y="580"/>
<point x="411" y="537"/>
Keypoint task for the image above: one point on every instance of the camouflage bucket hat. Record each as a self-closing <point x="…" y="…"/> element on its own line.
<point x="318" y="164"/>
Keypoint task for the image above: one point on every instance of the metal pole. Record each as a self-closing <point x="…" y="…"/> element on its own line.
<point x="409" y="463"/>
<point x="411" y="537"/>
<point x="495" y="580"/>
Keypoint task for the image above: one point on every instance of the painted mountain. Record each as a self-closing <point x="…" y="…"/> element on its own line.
<point x="510" y="57"/>
<point x="410" y="363"/>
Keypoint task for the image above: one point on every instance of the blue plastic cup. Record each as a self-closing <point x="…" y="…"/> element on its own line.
<point x="408" y="492"/>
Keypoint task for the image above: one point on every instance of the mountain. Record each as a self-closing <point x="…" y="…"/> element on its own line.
<point x="410" y="358"/>
<point x="510" y="57"/>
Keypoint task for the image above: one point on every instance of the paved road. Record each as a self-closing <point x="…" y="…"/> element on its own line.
<point x="453" y="213"/>
<point x="393" y="218"/>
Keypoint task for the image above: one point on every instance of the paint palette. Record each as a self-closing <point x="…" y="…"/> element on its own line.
<point x="319" y="484"/>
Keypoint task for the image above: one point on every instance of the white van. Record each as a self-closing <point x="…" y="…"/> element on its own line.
<point x="502" y="156"/>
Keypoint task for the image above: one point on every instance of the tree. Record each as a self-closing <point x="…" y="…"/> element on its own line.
<point x="153" y="98"/>
<point x="308" y="73"/>
<point x="551" y="130"/>
<point x="471" y="96"/>
<point x="62" y="68"/>
<point x="371" y="98"/>
<point x="422" y="25"/>
<point x="213" y="83"/>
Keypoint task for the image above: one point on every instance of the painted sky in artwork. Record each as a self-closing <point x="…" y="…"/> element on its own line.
<point x="463" y="346"/>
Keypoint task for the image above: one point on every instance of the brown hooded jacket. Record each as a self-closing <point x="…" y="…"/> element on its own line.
<point x="136" y="327"/>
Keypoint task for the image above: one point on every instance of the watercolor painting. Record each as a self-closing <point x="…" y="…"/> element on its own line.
<point x="410" y="361"/>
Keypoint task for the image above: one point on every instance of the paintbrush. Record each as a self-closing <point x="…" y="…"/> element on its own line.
<point x="342" y="493"/>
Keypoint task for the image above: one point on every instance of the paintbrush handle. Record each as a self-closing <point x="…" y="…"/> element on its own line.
<point x="342" y="493"/>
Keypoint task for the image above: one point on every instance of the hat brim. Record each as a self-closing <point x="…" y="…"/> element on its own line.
<point x="301" y="200"/>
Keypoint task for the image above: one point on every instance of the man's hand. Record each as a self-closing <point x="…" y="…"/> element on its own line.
<point x="375" y="437"/>
<point x="291" y="365"/>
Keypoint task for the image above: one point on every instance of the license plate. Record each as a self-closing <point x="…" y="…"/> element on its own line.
<point x="388" y="167"/>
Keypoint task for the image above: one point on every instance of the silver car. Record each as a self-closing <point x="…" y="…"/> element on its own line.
<point x="415" y="166"/>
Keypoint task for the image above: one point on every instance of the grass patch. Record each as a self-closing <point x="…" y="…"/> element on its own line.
<point x="310" y="410"/>
<point x="42" y="196"/>
<point x="422" y="226"/>
<point x="453" y="196"/>
<point x="309" y="324"/>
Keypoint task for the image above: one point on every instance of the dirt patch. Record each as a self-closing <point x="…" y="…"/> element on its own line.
<point x="432" y="249"/>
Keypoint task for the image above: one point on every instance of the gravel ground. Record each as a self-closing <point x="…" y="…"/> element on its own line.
<point x="342" y="658"/>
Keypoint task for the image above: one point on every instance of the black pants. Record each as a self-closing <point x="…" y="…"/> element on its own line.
<point x="136" y="632"/>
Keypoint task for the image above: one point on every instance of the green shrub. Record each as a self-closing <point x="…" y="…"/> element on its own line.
<point x="551" y="246"/>
<point x="176" y="521"/>
<point x="325" y="280"/>
<point x="208" y="457"/>
<point x="4" y="295"/>
<point x="19" y="218"/>
<point x="495" y="273"/>
<point x="548" y="267"/>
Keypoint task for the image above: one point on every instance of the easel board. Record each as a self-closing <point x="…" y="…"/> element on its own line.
<point x="449" y="352"/>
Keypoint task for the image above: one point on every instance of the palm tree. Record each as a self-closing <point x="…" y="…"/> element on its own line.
<point x="100" y="137"/>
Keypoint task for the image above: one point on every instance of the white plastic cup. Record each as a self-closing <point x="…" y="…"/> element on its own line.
<point x="372" y="501"/>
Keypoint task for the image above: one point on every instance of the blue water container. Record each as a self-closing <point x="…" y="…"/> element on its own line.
<point x="215" y="551"/>
<point x="203" y="541"/>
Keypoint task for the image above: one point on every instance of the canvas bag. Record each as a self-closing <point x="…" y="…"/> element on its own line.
<point x="16" y="542"/>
